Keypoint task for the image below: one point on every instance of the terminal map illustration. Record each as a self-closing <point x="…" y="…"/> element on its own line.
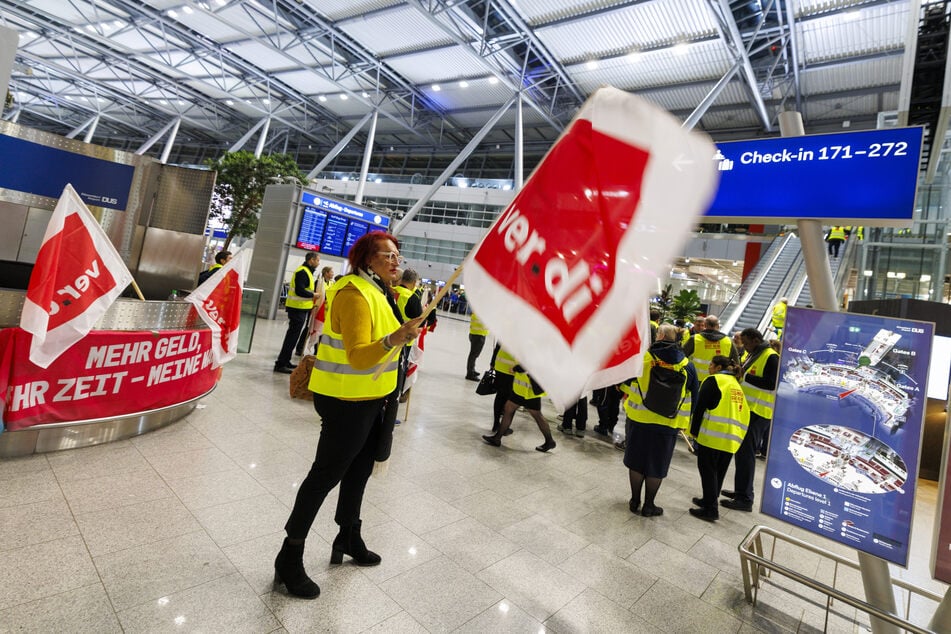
<point x="846" y="428"/>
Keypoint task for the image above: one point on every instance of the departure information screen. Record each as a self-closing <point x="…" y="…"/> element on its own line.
<point x="865" y="178"/>
<point x="331" y="226"/>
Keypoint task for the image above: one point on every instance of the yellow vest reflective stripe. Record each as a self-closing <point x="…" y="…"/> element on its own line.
<point x="504" y="362"/>
<point x="703" y="352"/>
<point x="761" y="401"/>
<point x="332" y="374"/>
<point x="476" y="327"/>
<point x="522" y="386"/>
<point x="403" y="295"/>
<point x="837" y="233"/>
<point x="295" y="301"/>
<point x="634" y="404"/>
<point x="724" y="427"/>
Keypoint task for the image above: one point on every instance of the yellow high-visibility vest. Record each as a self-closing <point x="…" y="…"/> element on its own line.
<point x="504" y="362"/>
<point x="634" y="405"/>
<point x="704" y="350"/>
<point x="332" y="374"/>
<point x="476" y="327"/>
<point x="295" y="301"/>
<point x="522" y="386"/>
<point x="725" y="426"/>
<point x="761" y="401"/>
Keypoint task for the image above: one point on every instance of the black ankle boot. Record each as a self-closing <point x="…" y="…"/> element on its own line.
<point x="289" y="570"/>
<point x="349" y="542"/>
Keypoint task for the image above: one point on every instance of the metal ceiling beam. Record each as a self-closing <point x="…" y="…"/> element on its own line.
<point x="734" y="41"/>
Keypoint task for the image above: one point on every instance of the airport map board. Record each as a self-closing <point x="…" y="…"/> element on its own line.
<point x="331" y="226"/>
<point x="846" y="431"/>
<point x="853" y="178"/>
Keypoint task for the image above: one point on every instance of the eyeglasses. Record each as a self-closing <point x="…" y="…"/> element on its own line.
<point x="392" y="258"/>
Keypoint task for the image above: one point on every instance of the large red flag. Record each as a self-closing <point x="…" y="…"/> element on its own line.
<point x="77" y="276"/>
<point x="564" y="272"/>
<point x="218" y="302"/>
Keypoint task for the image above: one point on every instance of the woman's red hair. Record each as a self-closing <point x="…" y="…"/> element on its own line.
<point x="363" y="250"/>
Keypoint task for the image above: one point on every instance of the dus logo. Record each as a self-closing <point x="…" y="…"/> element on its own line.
<point x="110" y="201"/>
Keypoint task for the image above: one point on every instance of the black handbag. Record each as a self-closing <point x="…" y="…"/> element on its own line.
<point x="486" y="383"/>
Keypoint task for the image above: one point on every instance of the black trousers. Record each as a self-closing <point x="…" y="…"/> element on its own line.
<point x="746" y="459"/>
<point x="476" y="343"/>
<point x="503" y="388"/>
<point x="712" y="465"/>
<point x="577" y="414"/>
<point x="608" y="408"/>
<point x="349" y="434"/>
<point x="296" y="319"/>
<point x="392" y="407"/>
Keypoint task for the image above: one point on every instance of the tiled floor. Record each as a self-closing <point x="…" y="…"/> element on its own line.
<point x="177" y="530"/>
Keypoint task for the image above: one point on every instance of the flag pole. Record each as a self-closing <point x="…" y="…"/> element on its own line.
<point x="137" y="290"/>
<point x="432" y="306"/>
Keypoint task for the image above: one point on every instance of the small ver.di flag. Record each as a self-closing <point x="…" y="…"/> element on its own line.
<point x="218" y="302"/>
<point x="77" y="276"/>
<point x="564" y="274"/>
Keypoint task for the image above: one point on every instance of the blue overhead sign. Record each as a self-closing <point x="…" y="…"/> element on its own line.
<point x="845" y="437"/>
<point x="332" y="226"/>
<point x="344" y="209"/>
<point x="853" y="178"/>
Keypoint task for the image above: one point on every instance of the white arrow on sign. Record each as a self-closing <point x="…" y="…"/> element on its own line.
<point x="680" y="161"/>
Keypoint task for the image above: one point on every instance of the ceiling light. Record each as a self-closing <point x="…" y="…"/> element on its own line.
<point x="493" y="80"/>
<point x="163" y="102"/>
<point x="900" y="275"/>
<point x="463" y="84"/>
<point x="925" y="277"/>
<point x="322" y="98"/>
<point x="69" y="98"/>
<point x="91" y="28"/>
<point x="229" y="102"/>
<point x="633" y="56"/>
<point x="343" y="97"/>
<point x="221" y="3"/>
<point x="848" y="16"/>
<point x="266" y="101"/>
<point x="188" y="10"/>
<point x="118" y="24"/>
<point x="436" y="88"/>
<point x="366" y="95"/>
<point x="171" y="13"/>
<point x="377" y="180"/>
<point x="679" y="49"/>
<point x="181" y="103"/>
<point x="868" y="273"/>
<point x="591" y="64"/>
<point x="890" y="275"/>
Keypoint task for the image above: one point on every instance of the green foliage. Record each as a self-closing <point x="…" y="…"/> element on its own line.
<point x="686" y="305"/>
<point x="239" y="188"/>
<point x="663" y="303"/>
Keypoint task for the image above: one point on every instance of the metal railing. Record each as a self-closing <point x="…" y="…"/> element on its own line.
<point x="753" y="561"/>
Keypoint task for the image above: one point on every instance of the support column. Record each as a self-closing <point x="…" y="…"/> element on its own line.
<point x="367" y="153"/>
<point x="91" y="130"/>
<point x="332" y="154"/>
<point x="261" y="139"/>
<point x="171" y="140"/>
<point x="247" y="135"/>
<point x="710" y="97"/>
<point x="519" y="145"/>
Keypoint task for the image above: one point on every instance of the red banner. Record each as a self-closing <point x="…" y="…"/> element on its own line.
<point x="106" y="374"/>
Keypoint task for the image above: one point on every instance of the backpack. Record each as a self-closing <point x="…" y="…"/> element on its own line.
<point x="665" y="389"/>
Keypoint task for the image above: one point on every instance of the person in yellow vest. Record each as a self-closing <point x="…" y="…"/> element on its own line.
<point x="221" y="258"/>
<point x="760" y="372"/>
<point x="835" y="240"/>
<point x="706" y="344"/>
<point x="361" y="329"/>
<point x="528" y="394"/>
<point x="719" y="422"/>
<point x="327" y="275"/>
<point x="301" y="298"/>
<point x="778" y="320"/>
<point x="503" y="363"/>
<point x="477" y="334"/>
<point x="650" y="431"/>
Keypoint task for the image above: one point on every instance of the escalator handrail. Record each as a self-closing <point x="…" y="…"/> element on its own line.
<point x="738" y="309"/>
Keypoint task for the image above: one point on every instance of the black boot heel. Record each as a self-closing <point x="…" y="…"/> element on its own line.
<point x="289" y="572"/>
<point x="336" y="556"/>
<point x="349" y="542"/>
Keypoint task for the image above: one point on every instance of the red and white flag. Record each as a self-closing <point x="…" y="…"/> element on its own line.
<point x="563" y="274"/>
<point x="218" y="302"/>
<point x="77" y="276"/>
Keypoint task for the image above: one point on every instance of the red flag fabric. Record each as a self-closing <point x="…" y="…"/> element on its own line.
<point x="562" y="275"/>
<point x="218" y="302"/>
<point x="77" y="276"/>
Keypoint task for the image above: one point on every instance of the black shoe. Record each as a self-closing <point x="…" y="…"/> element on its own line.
<point x="736" y="505"/>
<point x="284" y="369"/>
<point x="728" y="494"/>
<point x="634" y="506"/>
<point x="549" y="444"/>
<point x="289" y="572"/>
<point x="598" y="429"/>
<point x="705" y="515"/>
<point x="473" y="376"/>
<point x="564" y="430"/>
<point x="348" y="542"/>
<point x="651" y="511"/>
<point x="493" y="440"/>
<point x="698" y="502"/>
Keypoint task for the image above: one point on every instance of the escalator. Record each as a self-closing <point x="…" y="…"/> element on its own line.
<point x="770" y="279"/>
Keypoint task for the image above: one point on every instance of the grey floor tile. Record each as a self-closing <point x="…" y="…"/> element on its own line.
<point x="254" y="558"/>
<point x="592" y="612"/>
<point x="440" y="594"/>
<point x="400" y="549"/>
<point x="531" y="583"/>
<point x="150" y="572"/>
<point x="227" y="604"/>
<point x="194" y="462"/>
<point x="421" y="512"/>
<point x="29" y="487"/>
<point x="210" y="489"/>
<point x="612" y="577"/>
<point x="111" y="459"/>
<point x="85" y="609"/>
<point x="107" y="492"/>
<point x="504" y="616"/>
<point x="135" y="524"/>
<point x="671" y="565"/>
<point x="44" y="570"/>
<point x="400" y="623"/>
<point x="471" y="544"/>
<point x="175" y="438"/>
<point x="670" y="609"/>
<point x="491" y="509"/>
<point x="233" y="522"/>
<point x="542" y="537"/>
<point x="35" y="523"/>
